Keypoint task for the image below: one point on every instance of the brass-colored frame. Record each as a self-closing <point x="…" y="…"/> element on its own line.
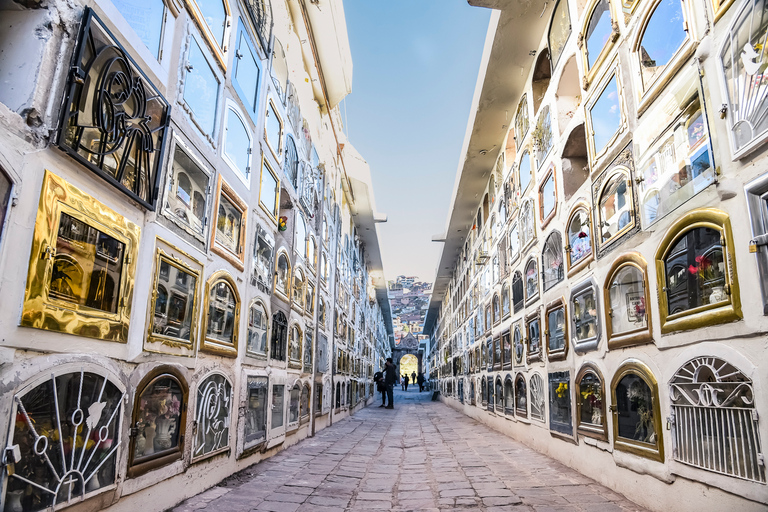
<point x="545" y="220"/>
<point x="312" y="265"/>
<point x="276" y="152"/>
<point x="613" y="171"/>
<point x="256" y="301"/>
<point x="212" y="345"/>
<point x="591" y="73"/>
<point x="720" y="7"/>
<point x="647" y="94"/>
<point x="197" y="15"/>
<point x="159" y="372"/>
<point x="272" y="215"/>
<point x="237" y="260"/>
<point x="275" y="291"/>
<point x="613" y="71"/>
<point x="295" y="363"/>
<point x="43" y="312"/>
<point x="637" y="336"/>
<point x="160" y="256"/>
<point x="639" y="448"/>
<point x="574" y="269"/>
<point x="557" y="355"/>
<point x="710" y="314"/>
<point x="582" y="429"/>
<point x="298" y="305"/>
<point x="530" y="318"/>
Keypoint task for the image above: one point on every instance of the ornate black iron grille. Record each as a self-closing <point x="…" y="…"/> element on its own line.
<point x="114" y="121"/>
<point x="260" y="12"/>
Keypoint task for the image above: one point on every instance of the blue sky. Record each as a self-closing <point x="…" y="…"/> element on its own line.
<point x="415" y="67"/>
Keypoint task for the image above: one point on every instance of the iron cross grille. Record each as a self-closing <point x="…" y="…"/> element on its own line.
<point x="114" y="121"/>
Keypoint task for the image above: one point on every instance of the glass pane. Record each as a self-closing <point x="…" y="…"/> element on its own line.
<point x="278" y="405"/>
<point x="247" y="72"/>
<point x="268" y="190"/>
<point x="525" y="171"/>
<point x="627" y="296"/>
<point x="257" y="330"/>
<point x="505" y="301"/>
<point x="606" y="115"/>
<point x="215" y="16"/>
<point x="518" y="342"/>
<point x="560" y="402"/>
<point x="256" y="412"/>
<point x="201" y="89"/>
<point x="47" y="410"/>
<point x="295" y="345"/>
<point x="5" y="195"/>
<point x="579" y="237"/>
<point x="214" y="401"/>
<point x="228" y="225"/>
<point x="187" y="191"/>
<point x="584" y="310"/>
<point x="521" y="123"/>
<point x="283" y="278"/>
<point x="615" y="206"/>
<point x="273" y="128"/>
<point x="526" y="223"/>
<point x="531" y="280"/>
<point x="88" y="266"/>
<point x="534" y="337"/>
<point x="548" y="197"/>
<point x="175" y="302"/>
<point x="542" y="136"/>
<point x="599" y="31"/>
<point x="146" y="19"/>
<point x="507" y="347"/>
<point x="559" y="30"/>
<point x="663" y="35"/>
<point x="517" y="292"/>
<point x="634" y="404"/>
<point x="262" y="262"/>
<point x="695" y="271"/>
<point x="552" y="261"/>
<point x="307" y="352"/>
<point x="521" y="397"/>
<point x="591" y="400"/>
<point x="238" y="146"/>
<point x="293" y="408"/>
<point x="221" y="313"/>
<point x="158" y="419"/>
<point x="556" y="327"/>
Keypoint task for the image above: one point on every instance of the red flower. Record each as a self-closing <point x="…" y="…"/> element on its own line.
<point x="704" y="262"/>
<point x="583" y="235"/>
<point x="692" y="269"/>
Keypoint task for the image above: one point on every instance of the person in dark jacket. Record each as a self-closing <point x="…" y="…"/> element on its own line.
<point x="420" y="381"/>
<point x="405" y="382"/>
<point x="378" y="378"/>
<point x="390" y="377"/>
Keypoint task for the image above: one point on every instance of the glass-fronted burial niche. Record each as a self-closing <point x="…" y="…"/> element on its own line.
<point x="636" y="412"/>
<point x="695" y="271"/>
<point x="81" y="268"/>
<point x="65" y="436"/>
<point x="223" y="312"/>
<point x="255" y="430"/>
<point x="560" y="403"/>
<point x="585" y="320"/>
<point x="114" y="121"/>
<point x="187" y="195"/>
<point x="175" y="306"/>
<point x="212" y="416"/>
<point x="157" y="423"/>
<point x="590" y="399"/>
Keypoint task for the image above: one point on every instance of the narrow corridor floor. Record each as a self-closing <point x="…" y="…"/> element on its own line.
<point x="421" y="456"/>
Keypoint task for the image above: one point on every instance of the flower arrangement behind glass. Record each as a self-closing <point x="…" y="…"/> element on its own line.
<point x="158" y="421"/>
<point x="592" y="396"/>
<point x="710" y="273"/>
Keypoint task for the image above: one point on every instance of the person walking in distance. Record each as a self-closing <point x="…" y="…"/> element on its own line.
<point x="402" y="382"/>
<point x="405" y="382"/>
<point x="420" y="380"/>
<point x="378" y="378"/>
<point x="390" y="377"/>
<point x="413" y="378"/>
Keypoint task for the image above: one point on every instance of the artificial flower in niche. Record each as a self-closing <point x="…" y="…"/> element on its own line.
<point x="282" y="223"/>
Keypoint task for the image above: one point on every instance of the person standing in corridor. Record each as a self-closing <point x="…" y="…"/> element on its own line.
<point x="390" y="377"/>
<point x="420" y="380"/>
<point x="413" y="378"/>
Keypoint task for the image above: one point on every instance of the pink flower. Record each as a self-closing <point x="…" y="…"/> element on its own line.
<point x="692" y="269"/>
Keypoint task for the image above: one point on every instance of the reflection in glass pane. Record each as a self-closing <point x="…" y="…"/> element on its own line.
<point x="591" y="399"/>
<point x="278" y="405"/>
<point x="634" y="404"/>
<point x="560" y="402"/>
<point x="517" y="292"/>
<point x="548" y="197"/>
<point x="663" y="35"/>
<point x="527" y="229"/>
<point x="215" y="16"/>
<point x="257" y="330"/>
<point x="695" y="271"/>
<point x="584" y="310"/>
<point x="214" y="401"/>
<point x="514" y="242"/>
<point x="273" y="128"/>
<point x="534" y="337"/>
<point x="517" y="340"/>
<point x="187" y="191"/>
<point x="282" y="277"/>
<point x="559" y="30"/>
<point x="531" y="280"/>
<point x="238" y="145"/>
<point x="45" y="411"/>
<point x="221" y="312"/>
<point x="525" y="171"/>
<point x="247" y="72"/>
<point x="615" y="206"/>
<point x="606" y="115"/>
<point x="542" y="136"/>
<point x="146" y="19"/>
<point x="293" y="406"/>
<point x="268" y="190"/>
<point x="599" y="31"/>
<point x="556" y="328"/>
<point x="175" y="302"/>
<point x="552" y="261"/>
<point x="521" y="397"/>
<point x="87" y="267"/>
<point x="579" y="236"/>
<point x="201" y="89"/>
<point x="228" y="225"/>
<point x="256" y="412"/>
<point x="521" y="121"/>
<point x="158" y="419"/>
<point x="627" y="296"/>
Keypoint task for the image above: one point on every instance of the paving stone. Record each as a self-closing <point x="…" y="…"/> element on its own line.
<point x="424" y="456"/>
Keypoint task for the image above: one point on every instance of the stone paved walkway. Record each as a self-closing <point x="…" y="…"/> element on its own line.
<point x="422" y="456"/>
